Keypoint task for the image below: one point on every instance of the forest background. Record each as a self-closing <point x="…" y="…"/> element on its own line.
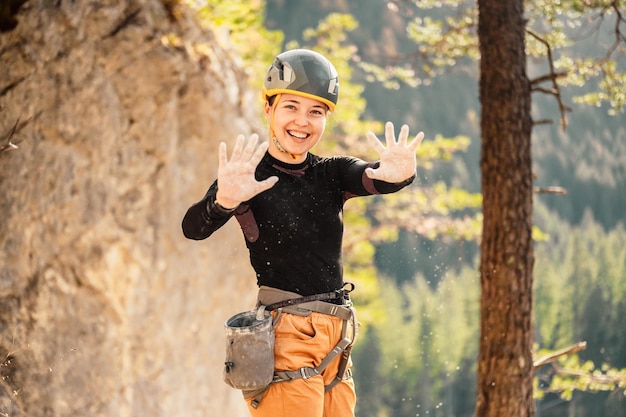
<point x="417" y="350"/>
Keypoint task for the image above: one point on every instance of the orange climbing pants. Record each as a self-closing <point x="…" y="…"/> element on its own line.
<point x="303" y="341"/>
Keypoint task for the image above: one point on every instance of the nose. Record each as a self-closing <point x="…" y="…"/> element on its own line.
<point x="302" y="119"/>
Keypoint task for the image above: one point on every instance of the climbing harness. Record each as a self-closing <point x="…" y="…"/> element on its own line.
<point x="303" y="306"/>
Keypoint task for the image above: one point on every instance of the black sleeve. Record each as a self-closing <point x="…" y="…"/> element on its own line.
<point x="357" y="182"/>
<point x="383" y="187"/>
<point x="205" y="217"/>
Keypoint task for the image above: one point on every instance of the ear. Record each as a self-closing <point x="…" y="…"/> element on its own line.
<point x="267" y="109"/>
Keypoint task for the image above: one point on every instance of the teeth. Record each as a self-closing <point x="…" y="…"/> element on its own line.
<point x="298" y="135"/>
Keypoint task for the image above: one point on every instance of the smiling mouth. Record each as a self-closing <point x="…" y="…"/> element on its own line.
<point x="298" y="135"/>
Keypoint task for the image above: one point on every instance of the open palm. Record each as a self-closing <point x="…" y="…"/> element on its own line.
<point x="397" y="160"/>
<point x="236" y="182"/>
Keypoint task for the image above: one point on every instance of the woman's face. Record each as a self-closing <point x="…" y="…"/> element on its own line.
<point x="298" y="123"/>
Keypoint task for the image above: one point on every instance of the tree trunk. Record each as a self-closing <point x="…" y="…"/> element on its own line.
<point x="505" y="373"/>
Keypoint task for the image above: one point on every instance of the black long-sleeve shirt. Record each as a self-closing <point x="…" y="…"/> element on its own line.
<point x="294" y="230"/>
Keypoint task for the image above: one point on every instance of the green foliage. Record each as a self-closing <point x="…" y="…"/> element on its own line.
<point x="420" y="341"/>
<point x="580" y="295"/>
<point x="425" y="334"/>
<point x="561" y="24"/>
<point x="611" y="88"/>
<point x="570" y="375"/>
<point x="443" y="211"/>
<point x="391" y="77"/>
<point x="440" y="148"/>
<point x="240" y="23"/>
<point x="447" y="41"/>
<point x="448" y="37"/>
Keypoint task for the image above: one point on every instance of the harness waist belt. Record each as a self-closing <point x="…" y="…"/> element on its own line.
<point x="294" y="303"/>
<point x="305" y="309"/>
<point x="307" y="298"/>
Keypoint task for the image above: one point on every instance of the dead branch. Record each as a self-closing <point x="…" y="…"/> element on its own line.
<point x="594" y="377"/>
<point x="551" y="76"/>
<point x="550" y="190"/>
<point x="619" y="36"/>
<point x="547" y="77"/>
<point x="557" y="354"/>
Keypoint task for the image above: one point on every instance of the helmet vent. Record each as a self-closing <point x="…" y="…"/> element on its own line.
<point x="285" y="72"/>
<point x="333" y="86"/>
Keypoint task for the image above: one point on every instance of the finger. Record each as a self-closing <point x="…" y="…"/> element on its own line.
<point x="250" y="147"/>
<point x="416" y="141"/>
<point x="390" y="135"/>
<point x="238" y="147"/>
<point x="404" y="135"/>
<point x="372" y="173"/>
<point x="222" y="158"/>
<point x="266" y="184"/>
<point x="375" y="142"/>
<point x="259" y="153"/>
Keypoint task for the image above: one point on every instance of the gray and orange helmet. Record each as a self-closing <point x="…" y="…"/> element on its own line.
<point x="305" y="73"/>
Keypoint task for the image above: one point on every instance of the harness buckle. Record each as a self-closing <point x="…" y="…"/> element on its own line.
<point x="343" y="293"/>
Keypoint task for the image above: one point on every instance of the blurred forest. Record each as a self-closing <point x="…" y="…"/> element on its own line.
<point x="417" y="355"/>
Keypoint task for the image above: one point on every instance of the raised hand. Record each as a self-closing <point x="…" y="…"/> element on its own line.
<point x="235" y="176"/>
<point x="397" y="159"/>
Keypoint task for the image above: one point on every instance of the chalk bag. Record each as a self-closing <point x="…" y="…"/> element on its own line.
<point x="249" y="350"/>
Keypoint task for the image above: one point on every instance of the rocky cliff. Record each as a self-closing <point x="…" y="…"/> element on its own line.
<point x="110" y="115"/>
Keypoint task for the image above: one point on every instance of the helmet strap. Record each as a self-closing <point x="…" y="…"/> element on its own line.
<point x="273" y="135"/>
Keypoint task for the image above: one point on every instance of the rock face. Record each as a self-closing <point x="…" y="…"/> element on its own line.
<point x="105" y="308"/>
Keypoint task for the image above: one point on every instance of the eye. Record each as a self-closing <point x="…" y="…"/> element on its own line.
<point x="317" y="112"/>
